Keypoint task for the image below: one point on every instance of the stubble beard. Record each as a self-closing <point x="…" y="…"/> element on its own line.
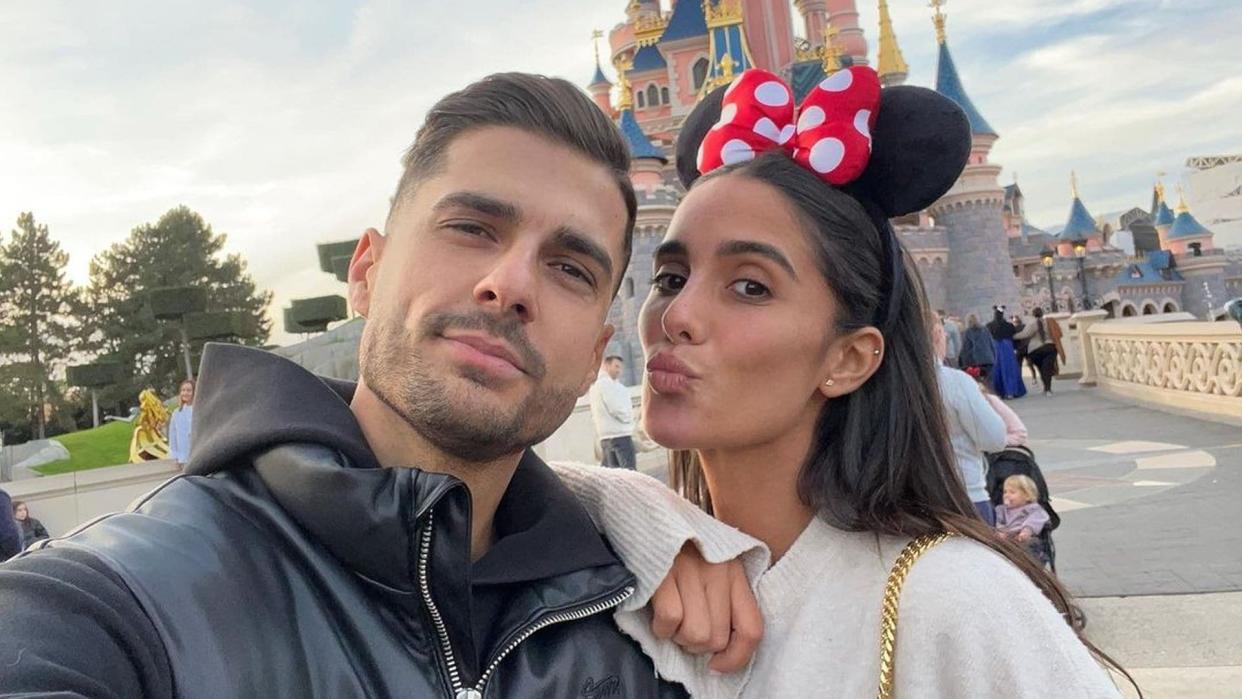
<point x="464" y="423"/>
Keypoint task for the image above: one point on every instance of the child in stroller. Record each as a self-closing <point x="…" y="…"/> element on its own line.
<point x="1020" y="461"/>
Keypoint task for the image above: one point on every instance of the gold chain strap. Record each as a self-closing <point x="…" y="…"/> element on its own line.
<point x="892" y="597"/>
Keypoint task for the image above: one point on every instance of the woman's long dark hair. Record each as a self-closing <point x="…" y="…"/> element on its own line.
<point x="881" y="459"/>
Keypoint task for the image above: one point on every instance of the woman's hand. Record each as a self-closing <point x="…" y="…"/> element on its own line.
<point x="708" y="608"/>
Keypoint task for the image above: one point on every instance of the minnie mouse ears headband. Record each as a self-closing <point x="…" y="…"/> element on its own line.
<point x="901" y="147"/>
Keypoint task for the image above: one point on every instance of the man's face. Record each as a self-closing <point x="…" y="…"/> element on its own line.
<point x="613" y="367"/>
<point x="486" y="301"/>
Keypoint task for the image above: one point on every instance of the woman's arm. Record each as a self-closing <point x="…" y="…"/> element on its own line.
<point x="648" y="524"/>
<point x="978" y="420"/>
<point x="1015" y="430"/>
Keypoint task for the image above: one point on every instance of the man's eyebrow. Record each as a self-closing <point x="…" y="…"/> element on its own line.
<point x="481" y="203"/>
<point x="754" y="247"/>
<point x="576" y="241"/>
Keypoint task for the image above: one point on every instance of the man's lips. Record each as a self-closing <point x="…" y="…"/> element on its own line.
<point x="491" y="352"/>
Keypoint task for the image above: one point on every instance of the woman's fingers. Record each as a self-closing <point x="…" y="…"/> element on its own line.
<point x="747" y="624"/>
<point x="695" y="631"/>
<point x="666" y="609"/>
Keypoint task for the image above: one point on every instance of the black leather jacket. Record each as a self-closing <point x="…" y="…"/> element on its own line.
<point x="287" y="565"/>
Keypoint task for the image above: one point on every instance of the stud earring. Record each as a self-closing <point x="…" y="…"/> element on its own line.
<point x="876" y="352"/>
<point x="830" y="382"/>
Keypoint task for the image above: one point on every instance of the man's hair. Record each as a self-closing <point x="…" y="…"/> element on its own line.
<point x="549" y="107"/>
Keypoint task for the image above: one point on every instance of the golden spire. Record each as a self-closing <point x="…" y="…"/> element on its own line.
<point x="890" y="61"/>
<point x="1074" y="183"/>
<point x="596" y="35"/>
<point x="625" y="96"/>
<point x="1182" y="208"/>
<point x="723" y="14"/>
<point x="938" y="19"/>
<point x="831" y="52"/>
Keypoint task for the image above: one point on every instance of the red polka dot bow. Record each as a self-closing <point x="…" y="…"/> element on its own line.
<point x="832" y="134"/>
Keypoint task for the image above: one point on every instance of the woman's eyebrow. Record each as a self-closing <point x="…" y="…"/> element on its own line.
<point x="731" y="248"/>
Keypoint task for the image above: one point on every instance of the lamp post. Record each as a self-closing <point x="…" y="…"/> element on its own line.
<point x="1080" y="251"/>
<point x="1048" y="259"/>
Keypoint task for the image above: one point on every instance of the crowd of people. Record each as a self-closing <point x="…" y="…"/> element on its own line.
<point x="996" y="352"/>
<point x="789" y="369"/>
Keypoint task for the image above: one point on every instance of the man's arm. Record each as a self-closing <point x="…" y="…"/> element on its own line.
<point x="70" y="627"/>
<point x="617" y="402"/>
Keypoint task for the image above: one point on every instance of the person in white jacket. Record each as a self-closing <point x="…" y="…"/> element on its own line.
<point x="612" y="411"/>
<point x="789" y="370"/>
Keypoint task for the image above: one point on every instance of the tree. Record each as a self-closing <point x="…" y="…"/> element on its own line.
<point x="178" y="250"/>
<point x="36" y="304"/>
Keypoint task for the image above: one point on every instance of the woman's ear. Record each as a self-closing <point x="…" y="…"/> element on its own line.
<point x="851" y="361"/>
<point x="362" y="268"/>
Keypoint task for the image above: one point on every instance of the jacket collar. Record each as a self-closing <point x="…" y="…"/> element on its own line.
<point x="298" y="432"/>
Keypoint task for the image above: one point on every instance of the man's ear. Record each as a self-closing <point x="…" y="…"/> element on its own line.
<point x="851" y="361"/>
<point x="596" y="358"/>
<point x="362" y="270"/>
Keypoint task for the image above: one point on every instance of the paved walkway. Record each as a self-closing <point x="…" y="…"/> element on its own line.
<point x="1151" y="502"/>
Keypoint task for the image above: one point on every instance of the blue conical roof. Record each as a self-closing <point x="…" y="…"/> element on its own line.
<point x="600" y="78"/>
<point x="648" y="58"/>
<point x="640" y="145"/>
<point x="1164" y="215"/>
<point x="687" y="21"/>
<point x="1187" y="226"/>
<point x="949" y="84"/>
<point x="1080" y="225"/>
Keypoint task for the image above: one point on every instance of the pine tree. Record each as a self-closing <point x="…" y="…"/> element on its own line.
<point x="36" y="305"/>
<point x="178" y="250"/>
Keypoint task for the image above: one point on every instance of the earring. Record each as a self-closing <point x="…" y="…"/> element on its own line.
<point x="876" y="352"/>
<point x="830" y="382"/>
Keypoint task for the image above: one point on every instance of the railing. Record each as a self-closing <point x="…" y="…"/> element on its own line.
<point x="1187" y="365"/>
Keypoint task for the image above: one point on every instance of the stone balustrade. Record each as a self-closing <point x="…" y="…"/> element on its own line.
<point x="1186" y="365"/>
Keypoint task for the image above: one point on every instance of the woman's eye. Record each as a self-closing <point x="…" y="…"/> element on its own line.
<point x="750" y="289"/>
<point x="668" y="283"/>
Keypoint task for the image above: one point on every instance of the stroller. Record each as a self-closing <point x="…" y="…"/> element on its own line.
<point x="1020" y="461"/>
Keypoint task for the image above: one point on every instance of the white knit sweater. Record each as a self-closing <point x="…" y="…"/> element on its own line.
<point x="970" y="623"/>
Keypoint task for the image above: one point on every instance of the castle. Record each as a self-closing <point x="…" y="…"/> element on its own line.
<point x="974" y="246"/>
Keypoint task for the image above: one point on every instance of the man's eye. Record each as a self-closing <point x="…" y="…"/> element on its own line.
<point x="573" y="271"/>
<point x="469" y="228"/>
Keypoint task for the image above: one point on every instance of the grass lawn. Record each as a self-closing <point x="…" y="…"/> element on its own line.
<point x="106" y="445"/>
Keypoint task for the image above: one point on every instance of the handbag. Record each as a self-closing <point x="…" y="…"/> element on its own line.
<point x="892" y="598"/>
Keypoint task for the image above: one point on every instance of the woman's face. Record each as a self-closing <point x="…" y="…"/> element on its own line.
<point x="738" y="323"/>
<point x="187" y="394"/>
<point x="20" y="513"/>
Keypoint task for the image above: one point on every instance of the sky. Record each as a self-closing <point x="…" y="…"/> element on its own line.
<point x="283" y="122"/>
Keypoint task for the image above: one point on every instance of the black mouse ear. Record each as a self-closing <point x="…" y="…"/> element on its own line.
<point x="693" y="130"/>
<point x="920" y="144"/>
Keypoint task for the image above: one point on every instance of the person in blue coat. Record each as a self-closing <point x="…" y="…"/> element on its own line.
<point x="1006" y="375"/>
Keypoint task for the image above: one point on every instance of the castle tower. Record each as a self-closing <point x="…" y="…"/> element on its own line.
<point x="981" y="273"/>
<point x="1162" y="216"/>
<point x="1079" y="228"/>
<point x="769" y="32"/>
<point x="1188" y="240"/>
<point x="600" y="88"/>
<point x="891" y="64"/>
<point x="728" y="50"/>
<point x="819" y="15"/>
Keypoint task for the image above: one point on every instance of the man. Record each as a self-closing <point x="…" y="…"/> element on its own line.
<point x="397" y="538"/>
<point x="953" y="338"/>
<point x="613" y="413"/>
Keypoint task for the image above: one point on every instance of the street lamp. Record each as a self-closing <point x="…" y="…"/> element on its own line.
<point x="1080" y="251"/>
<point x="1048" y="258"/>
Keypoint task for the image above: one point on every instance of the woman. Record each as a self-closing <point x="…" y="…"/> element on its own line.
<point x="32" y="529"/>
<point x="1022" y="346"/>
<point x="974" y="428"/>
<point x="789" y="370"/>
<point x="1016" y="434"/>
<point x="179" y="423"/>
<point x="1047" y="347"/>
<point x="1007" y="375"/>
<point x="978" y="350"/>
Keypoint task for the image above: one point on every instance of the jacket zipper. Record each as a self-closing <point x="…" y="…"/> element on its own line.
<point x="446" y="646"/>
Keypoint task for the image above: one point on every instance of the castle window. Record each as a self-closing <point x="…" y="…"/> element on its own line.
<point x="641" y="103"/>
<point x="653" y="96"/>
<point x="699" y="71"/>
<point x="664" y="95"/>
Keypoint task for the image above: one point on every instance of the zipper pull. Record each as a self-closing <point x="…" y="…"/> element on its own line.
<point x="469" y="693"/>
